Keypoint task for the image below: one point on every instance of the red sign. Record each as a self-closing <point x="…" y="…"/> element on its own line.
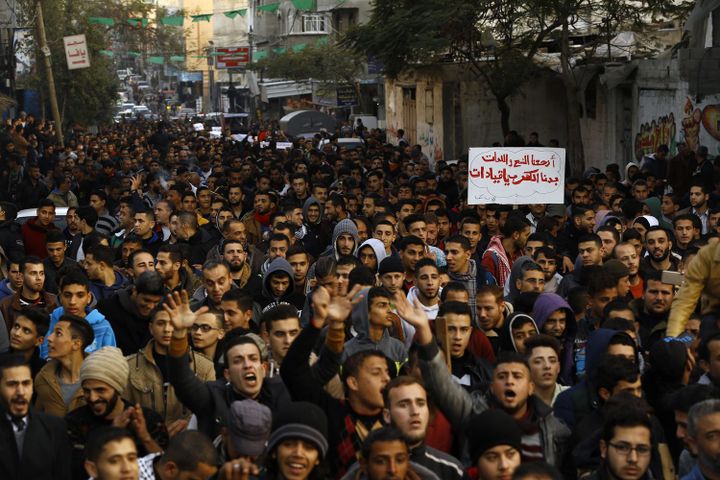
<point x="235" y="57"/>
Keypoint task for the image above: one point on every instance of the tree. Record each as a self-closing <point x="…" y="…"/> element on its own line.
<point x="495" y="40"/>
<point x="86" y="96"/>
<point x="329" y="63"/>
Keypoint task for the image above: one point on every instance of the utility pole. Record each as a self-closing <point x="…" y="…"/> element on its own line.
<point x="49" y="73"/>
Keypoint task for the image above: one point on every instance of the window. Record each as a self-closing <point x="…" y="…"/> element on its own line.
<point x="315" y="24"/>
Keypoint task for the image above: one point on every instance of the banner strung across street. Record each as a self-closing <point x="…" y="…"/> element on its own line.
<point x="519" y="175"/>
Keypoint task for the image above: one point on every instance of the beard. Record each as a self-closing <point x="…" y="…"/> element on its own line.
<point x="711" y="461"/>
<point x="661" y="258"/>
<point x="109" y="405"/>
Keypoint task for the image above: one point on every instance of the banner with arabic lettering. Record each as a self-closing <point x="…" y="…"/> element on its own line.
<point x="522" y="175"/>
<point x="76" y="52"/>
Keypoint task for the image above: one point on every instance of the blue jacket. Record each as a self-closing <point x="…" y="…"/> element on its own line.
<point x="104" y="335"/>
<point x="695" y="474"/>
<point x="5" y="289"/>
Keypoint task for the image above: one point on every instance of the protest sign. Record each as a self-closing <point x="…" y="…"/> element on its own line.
<point x="516" y="175"/>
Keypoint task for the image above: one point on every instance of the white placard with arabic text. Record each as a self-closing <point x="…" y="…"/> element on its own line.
<point x="522" y="175"/>
<point x="76" y="52"/>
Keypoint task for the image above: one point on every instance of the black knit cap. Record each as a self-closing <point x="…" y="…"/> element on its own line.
<point x="491" y="429"/>
<point x="391" y="264"/>
<point x="303" y="420"/>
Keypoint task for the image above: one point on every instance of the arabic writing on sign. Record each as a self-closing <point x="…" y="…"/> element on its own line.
<point x="501" y="175"/>
<point x="76" y="52"/>
<point x="516" y="162"/>
<point x="508" y="175"/>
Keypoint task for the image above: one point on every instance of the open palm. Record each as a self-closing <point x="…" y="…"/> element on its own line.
<point x="177" y="306"/>
<point x="340" y="307"/>
<point x="414" y="314"/>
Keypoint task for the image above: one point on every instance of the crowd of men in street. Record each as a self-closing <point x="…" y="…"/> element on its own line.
<point x="185" y="307"/>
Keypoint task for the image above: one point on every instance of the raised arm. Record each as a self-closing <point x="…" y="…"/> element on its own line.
<point x="451" y="398"/>
<point x="301" y="380"/>
<point x="684" y="303"/>
<point x="191" y="391"/>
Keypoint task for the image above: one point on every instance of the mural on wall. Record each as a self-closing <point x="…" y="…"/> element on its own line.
<point x="691" y="125"/>
<point x="652" y="134"/>
<point x="667" y="119"/>
<point x="711" y="120"/>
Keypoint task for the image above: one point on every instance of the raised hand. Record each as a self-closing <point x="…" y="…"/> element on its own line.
<point x="320" y="302"/>
<point x="124" y="418"/>
<point x="137" y="419"/>
<point x="136" y="183"/>
<point x="340" y="307"/>
<point x="415" y="315"/>
<point x="182" y="317"/>
<point x="176" y="427"/>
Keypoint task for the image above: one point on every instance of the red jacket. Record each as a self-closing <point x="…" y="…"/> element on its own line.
<point x="34" y="237"/>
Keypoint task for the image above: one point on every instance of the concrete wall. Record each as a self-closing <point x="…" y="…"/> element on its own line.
<point x="428" y="130"/>
<point x="668" y="112"/>
<point x="636" y="115"/>
<point x="539" y="108"/>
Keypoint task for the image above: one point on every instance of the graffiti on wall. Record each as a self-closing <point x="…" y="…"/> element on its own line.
<point x="652" y="134"/>
<point x="669" y="119"/>
<point x="430" y="143"/>
<point x="711" y="120"/>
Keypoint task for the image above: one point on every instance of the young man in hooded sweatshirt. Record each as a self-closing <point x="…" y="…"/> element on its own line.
<point x="278" y="286"/>
<point x="372" y="327"/>
<point x="553" y="316"/>
<point x="75" y="299"/>
<point x="313" y="233"/>
<point x="344" y="240"/>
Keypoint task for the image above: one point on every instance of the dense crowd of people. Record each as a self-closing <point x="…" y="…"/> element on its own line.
<point x="186" y="306"/>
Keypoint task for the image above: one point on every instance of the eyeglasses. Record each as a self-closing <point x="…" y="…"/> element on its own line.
<point x="625" y="448"/>
<point x="203" y="328"/>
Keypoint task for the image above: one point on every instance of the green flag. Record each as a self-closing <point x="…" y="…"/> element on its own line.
<point x="174" y="21"/>
<point x="107" y="53"/>
<point x="259" y="55"/>
<point x="205" y="17"/>
<point x="138" y="22"/>
<point x="272" y="7"/>
<point x="156" y="60"/>
<point x="134" y="54"/>
<point x="101" y="21"/>
<point x="177" y="58"/>
<point x="299" y="47"/>
<point x="234" y="13"/>
<point x="322" y="41"/>
<point x="304" y="4"/>
<point x="279" y="51"/>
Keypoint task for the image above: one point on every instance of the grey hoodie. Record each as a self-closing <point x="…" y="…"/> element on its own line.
<point x="510" y="291"/>
<point x="343" y="226"/>
<point x="391" y="347"/>
<point x="310" y="200"/>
